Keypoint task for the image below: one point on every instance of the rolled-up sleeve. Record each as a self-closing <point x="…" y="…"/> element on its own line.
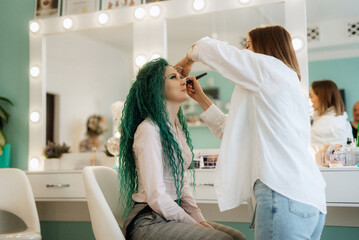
<point x="148" y="151"/>
<point x="242" y="67"/>
<point x="215" y="119"/>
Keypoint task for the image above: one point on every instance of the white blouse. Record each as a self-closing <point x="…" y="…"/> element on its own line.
<point x="267" y="133"/>
<point x="156" y="182"/>
<point x="330" y="129"/>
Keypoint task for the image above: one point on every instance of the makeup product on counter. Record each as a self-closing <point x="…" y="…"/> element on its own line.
<point x="197" y="77"/>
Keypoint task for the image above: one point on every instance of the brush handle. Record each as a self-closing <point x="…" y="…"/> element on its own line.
<point x="197" y="77"/>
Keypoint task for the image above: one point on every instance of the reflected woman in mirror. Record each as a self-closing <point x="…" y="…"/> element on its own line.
<point x="264" y="157"/>
<point x="355" y="121"/>
<point x="155" y="152"/>
<point x="46" y="8"/>
<point x="95" y="126"/>
<point x="330" y="121"/>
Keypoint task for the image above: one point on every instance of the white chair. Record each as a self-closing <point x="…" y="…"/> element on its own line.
<point x="102" y="192"/>
<point x="16" y="197"/>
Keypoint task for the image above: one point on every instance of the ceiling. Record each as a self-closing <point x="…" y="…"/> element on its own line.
<point x="197" y="26"/>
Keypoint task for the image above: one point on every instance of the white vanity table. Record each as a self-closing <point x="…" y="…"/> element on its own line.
<point x="60" y="196"/>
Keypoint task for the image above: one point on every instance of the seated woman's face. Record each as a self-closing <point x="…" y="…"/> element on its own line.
<point x="175" y="87"/>
<point x="314" y="98"/>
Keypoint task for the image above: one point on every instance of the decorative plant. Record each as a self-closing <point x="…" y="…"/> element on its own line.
<point x="53" y="150"/>
<point x="4" y="117"/>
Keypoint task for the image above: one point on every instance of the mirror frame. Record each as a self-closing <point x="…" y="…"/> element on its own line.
<point x="149" y="28"/>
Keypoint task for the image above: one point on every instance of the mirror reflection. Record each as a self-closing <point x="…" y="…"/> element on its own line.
<point x="86" y="72"/>
<point x="229" y="26"/>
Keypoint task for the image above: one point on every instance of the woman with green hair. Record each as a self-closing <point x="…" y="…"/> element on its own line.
<point x="155" y="151"/>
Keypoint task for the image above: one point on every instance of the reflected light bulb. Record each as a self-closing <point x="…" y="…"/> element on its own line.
<point x="67" y="23"/>
<point x="198" y="5"/>
<point x="117" y="135"/>
<point x="35" y="117"/>
<point x="34" y="163"/>
<point x="298" y="43"/>
<point x="155" y="56"/>
<point x="155" y="11"/>
<point x="34" y="27"/>
<point x="140" y="60"/>
<point x="35" y="71"/>
<point x="103" y="18"/>
<point x="244" y="1"/>
<point x="140" y="13"/>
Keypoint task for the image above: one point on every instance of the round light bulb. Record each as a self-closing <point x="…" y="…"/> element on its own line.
<point x="155" y="11"/>
<point x="103" y="18"/>
<point x="198" y="5"/>
<point x="117" y="135"/>
<point x="34" y="27"/>
<point x="244" y="1"/>
<point x="155" y="56"/>
<point x="298" y="43"/>
<point x="214" y="35"/>
<point x="67" y="23"/>
<point x="140" y="13"/>
<point x="35" y="71"/>
<point x="35" y="117"/>
<point x="34" y="163"/>
<point x="140" y="60"/>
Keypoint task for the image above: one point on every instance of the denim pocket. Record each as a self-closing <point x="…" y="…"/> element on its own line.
<point x="301" y="209"/>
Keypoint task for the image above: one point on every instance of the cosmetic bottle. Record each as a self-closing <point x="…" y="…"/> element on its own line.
<point x="349" y="154"/>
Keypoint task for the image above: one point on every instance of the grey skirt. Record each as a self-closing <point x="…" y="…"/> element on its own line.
<point x="143" y="223"/>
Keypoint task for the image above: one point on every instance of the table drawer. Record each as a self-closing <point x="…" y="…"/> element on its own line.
<point x="57" y="186"/>
<point x="342" y="186"/>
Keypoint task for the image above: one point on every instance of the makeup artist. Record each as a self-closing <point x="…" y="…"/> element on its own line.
<point x="264" y="153"/>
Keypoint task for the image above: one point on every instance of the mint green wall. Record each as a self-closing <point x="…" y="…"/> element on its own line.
<point x="14" y="83"/>
<point x="14" y="61"/>
<point x="66" y="231"/>
<point x="344" y="72"/>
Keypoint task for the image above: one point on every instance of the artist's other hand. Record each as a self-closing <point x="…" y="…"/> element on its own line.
<point x="184" y="67"/>
<point x="194" y="89"/>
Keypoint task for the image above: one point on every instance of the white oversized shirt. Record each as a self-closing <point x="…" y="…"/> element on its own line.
<point x="330" y="129"/>
<point x="266" y="135"/>
<point x="155" y="179"/>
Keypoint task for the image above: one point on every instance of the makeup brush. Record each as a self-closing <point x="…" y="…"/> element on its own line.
<point x="197" y="77"/>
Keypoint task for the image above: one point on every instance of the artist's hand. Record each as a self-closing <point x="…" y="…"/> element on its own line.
<point x="195" y="91"/>
<point x="184" y="67"/>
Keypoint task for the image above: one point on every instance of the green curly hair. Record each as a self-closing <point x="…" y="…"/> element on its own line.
<point x="146" y="99"/>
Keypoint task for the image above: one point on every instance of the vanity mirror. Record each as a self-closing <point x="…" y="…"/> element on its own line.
<point x="89" y="60"/>
<point x="230" y="26"/>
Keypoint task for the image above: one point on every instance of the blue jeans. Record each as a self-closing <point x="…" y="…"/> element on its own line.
<point x="280" y="218"/>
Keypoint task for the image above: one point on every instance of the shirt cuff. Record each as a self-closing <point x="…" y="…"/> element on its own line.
<point x="189" y="219"/>
<point x="198" y="217"/>
<point x="211" y="114"/>
<point x="193" y="53"/>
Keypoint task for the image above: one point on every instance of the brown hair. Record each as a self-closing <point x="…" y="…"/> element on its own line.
<point x="329" y="96"/>
<point x="275" y="41"/>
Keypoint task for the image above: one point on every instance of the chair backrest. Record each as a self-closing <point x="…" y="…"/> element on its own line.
<point x="102" y="192"/>
<point x="17" y="198"/>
